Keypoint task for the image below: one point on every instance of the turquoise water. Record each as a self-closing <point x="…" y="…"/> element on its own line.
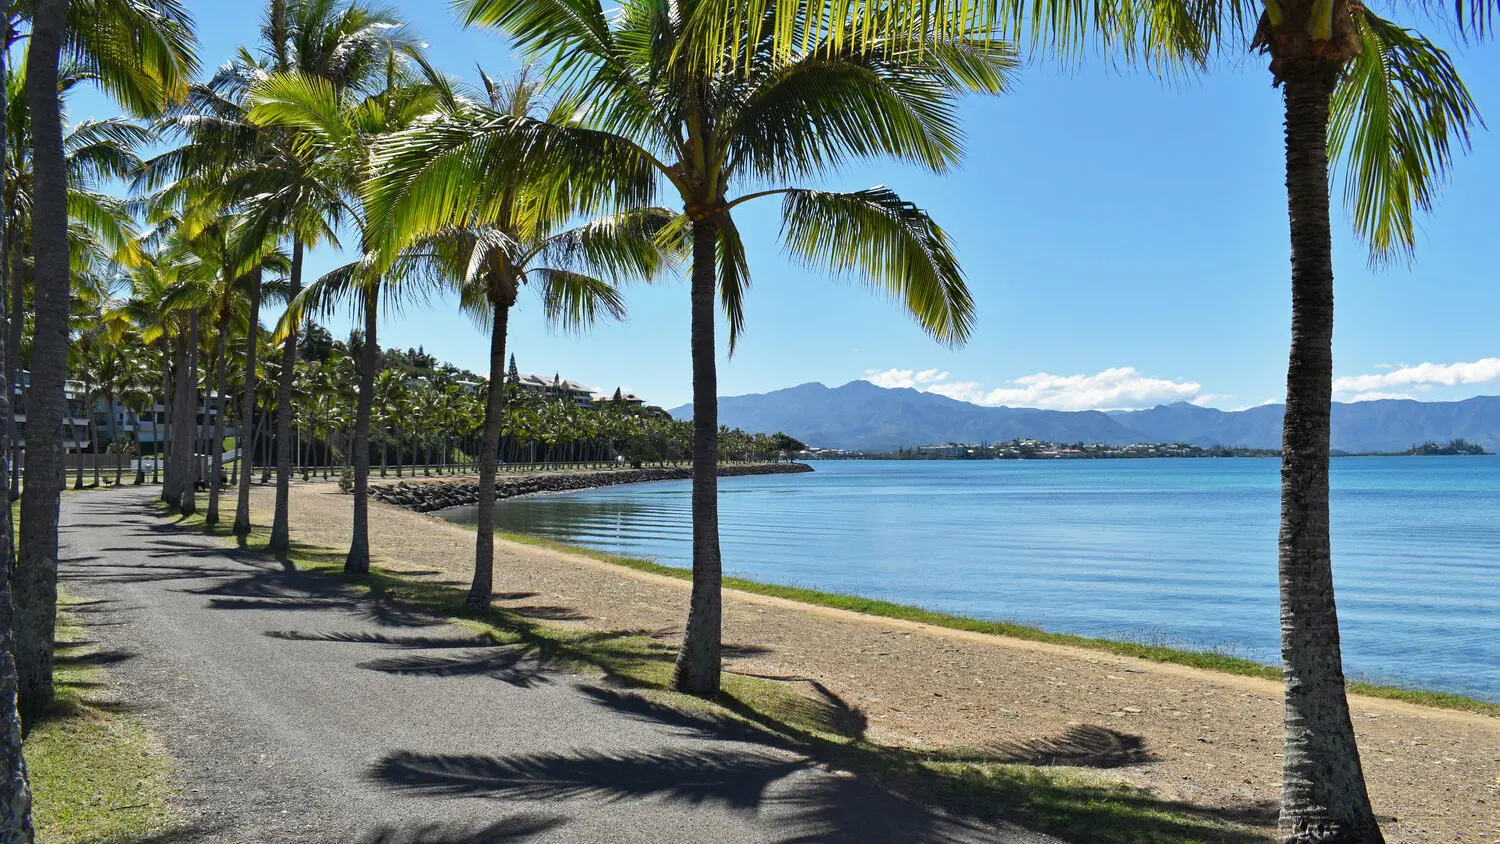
<point x="1177" y="552"/>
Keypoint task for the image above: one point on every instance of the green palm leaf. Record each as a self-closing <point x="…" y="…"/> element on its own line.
<point x="892" y="244"/>
<point x="734" y="278"/>
<point x="141" y="52"/>
<point x="573" y="301"/>
<point x="1394" y="120"/>
<point x="441" y="174"/>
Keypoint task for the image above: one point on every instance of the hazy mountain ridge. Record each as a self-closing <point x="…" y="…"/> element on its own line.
<point x="860" y="415"/>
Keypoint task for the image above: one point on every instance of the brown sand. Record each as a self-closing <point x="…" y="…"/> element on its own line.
<point x="1213" y="739"/>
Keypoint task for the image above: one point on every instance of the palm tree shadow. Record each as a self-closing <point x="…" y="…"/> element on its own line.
<point x="943" y="795"/>
<point x="734" y="778"/>
<point x="511" y="665"/>
<point x="517" y="828"/>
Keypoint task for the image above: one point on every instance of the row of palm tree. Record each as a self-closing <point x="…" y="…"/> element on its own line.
<point x="652" y="122"/>
<point x="429" y="426"/>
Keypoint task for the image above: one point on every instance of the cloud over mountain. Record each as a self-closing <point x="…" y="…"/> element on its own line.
<point x="1117" y="388"/>
<point x="1420" y="377"/>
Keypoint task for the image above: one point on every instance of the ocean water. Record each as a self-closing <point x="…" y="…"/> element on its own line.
<point x="1179" y="552"/>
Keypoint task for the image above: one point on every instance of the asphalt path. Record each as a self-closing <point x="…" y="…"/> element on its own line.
<point x="297" y="709"/>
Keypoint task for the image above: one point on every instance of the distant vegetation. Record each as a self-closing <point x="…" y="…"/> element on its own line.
<point x="1027" y="449"/>
<point x="1458" y="446"/>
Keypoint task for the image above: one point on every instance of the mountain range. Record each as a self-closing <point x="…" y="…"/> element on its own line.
<point x="862" y="416"/>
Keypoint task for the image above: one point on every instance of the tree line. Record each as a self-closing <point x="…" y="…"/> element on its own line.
<point x="623" y="154"/>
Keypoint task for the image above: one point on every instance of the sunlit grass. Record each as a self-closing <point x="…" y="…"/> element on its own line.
<point x="97" y="775"/>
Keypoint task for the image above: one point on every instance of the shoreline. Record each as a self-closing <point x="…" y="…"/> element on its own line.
<point x="880" y="608"/>
<point x="422" y="495"/>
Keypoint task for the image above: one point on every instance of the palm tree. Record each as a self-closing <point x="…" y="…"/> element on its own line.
<point x="151" y="309"/>
<point x="1353" y="84"/>
<point x="389" y="388"/>
<point x="746" y="114"/>
<point x="337" y="128"/>
<point x="493" y="255"/>
<point x="341" y="42"/>
<point x="15" y="790"/>
<point x="1391" y="101"/>
<point x="140" y="52"/>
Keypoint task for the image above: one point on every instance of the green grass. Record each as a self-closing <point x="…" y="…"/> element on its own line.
<point x="1207" y="660"/>
<point x="1081" y="805"/>
<point x="97" y="775"/>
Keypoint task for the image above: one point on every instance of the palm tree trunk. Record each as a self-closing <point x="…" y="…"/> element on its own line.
<point x="77" y="446"/>
<point x="494" y="413"/>
<point x="263" y="446"/>
<point x="697" y="670"/>
<point x="114" y="435"/>
<point x="15" y="793"/>
<point x="188" y="398"/>
<point x="36" y="568"/>
<point x="180" y="417"/>
<point x="247" y="409"/>
<point x="216" y="444"/>
<point x="91" y="426"/>
<point x="165" y="439"/>
<point x="1324" y="800"/>
<point x="280" y="528"/>
<point x="17" y="316"/>
<point x="358" y="560"/>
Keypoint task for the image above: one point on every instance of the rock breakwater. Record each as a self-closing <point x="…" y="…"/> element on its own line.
<point x="427" y="496"/>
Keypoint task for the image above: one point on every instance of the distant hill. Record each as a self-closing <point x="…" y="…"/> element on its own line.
<point x="860" y="415"/>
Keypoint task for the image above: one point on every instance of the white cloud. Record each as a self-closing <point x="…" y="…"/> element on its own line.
<point x="1376" y="395"/>
<point x="892" y="378"/>
<point x="1204" y="399"/>
<point x="1421" y="377"/>
<point x="1117" y="388"/>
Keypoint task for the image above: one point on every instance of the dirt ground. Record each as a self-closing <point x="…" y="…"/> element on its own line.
<point x="1205" y="738"/>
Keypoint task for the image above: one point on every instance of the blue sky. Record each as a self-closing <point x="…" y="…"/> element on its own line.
<point x="1125" y="240"/>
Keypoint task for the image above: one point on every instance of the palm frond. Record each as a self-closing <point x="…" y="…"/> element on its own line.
<point x="107" y="220"/>
<point x="300" y="101"/>
<point x="865" y="101"/>
<point x="443" y="174"/>
<point x="573" y="301"/>
<point x="734" y="278"/>
<point x="1394" y="120"/>
<point x="340" y="287"/>
<point x="891" y="244"/>
<point x="1165" y="35"/>
<point x="620" y="246"/>
<point x="573" y="31"/>
<point x="139" y="51"/>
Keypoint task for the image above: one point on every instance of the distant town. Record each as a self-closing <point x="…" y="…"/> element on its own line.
<point x="1029" y="449"/>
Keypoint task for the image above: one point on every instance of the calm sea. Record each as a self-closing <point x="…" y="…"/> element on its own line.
<point x="1176" y="552"/>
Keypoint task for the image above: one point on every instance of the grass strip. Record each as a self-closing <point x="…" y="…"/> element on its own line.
<point x="97" y="775"/>
<point x="1207" y="660"/>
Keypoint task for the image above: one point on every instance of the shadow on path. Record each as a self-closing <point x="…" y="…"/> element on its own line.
<point x="517" y="828"/>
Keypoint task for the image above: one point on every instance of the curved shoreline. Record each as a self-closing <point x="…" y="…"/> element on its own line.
<point x="1201" y="660"/>
<point x="426" y="496"/>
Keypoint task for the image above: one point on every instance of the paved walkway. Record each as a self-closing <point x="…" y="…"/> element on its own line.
<point x="298" y="710"/>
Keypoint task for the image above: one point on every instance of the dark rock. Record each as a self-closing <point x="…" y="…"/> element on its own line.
<point x="425" y="497"/>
